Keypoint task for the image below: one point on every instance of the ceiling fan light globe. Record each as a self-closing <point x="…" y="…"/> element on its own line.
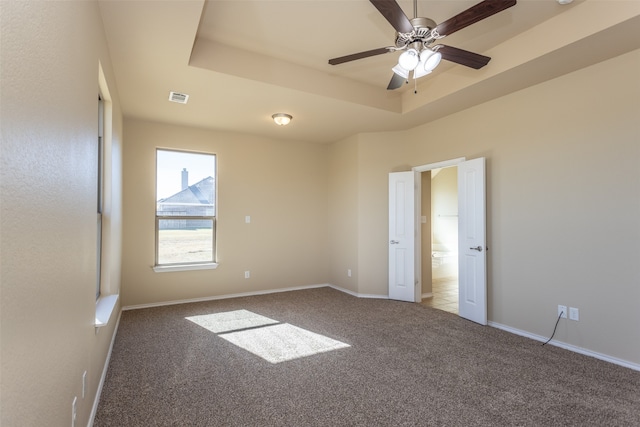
<point x="401" y="71"/>
<point x="420" y="72"/>
<point x="432" y="61"/>
<point x="409" y="59"/>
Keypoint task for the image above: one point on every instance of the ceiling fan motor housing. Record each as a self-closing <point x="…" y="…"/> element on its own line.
<point x="427" y="23"/>
<point x="421" y="33"/>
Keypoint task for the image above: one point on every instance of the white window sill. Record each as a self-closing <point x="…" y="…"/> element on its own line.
<point x="185" y="267"/>
<point x="104" y="308"/>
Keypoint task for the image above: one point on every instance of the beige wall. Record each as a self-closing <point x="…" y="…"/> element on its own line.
<point x="343" y="218"/>
<point x="281" y="185"/>
<point x="49" y="66"/>
<point x="376" y="149"/>
<point x="563" y="209"/>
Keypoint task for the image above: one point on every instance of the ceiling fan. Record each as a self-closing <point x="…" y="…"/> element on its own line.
<point x="415" y="37"/>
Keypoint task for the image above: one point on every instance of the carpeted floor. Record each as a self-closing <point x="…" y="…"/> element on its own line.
<point x="335" y="360"/>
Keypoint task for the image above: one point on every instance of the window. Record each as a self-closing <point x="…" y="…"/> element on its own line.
<point x="185" y="208"/>
<point x="108" y="170"/>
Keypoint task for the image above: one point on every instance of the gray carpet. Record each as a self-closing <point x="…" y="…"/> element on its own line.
<point x="364" y="362"/>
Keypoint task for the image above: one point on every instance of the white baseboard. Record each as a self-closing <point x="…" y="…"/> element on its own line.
<point x="227" y="296"/>
<point x="247" y="294"/>
<point x="427" y="295"/>
<point x="356" y="294"/>
<point x="576" y="349"/>
<point x="96" y="401"/>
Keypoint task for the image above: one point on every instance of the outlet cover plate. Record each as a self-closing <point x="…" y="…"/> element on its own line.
<point x="562" y="309"/>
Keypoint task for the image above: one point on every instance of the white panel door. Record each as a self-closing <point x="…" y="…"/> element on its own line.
<point x="403" y="200"/>
<point x="472" y="261"/>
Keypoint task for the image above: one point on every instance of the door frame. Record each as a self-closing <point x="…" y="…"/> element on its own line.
<point x="439" y="165"/>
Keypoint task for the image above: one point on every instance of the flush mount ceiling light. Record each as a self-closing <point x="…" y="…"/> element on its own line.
<point x="282" y="119"/>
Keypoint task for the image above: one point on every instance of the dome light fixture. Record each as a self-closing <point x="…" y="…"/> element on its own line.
<point x="282" y="119"/>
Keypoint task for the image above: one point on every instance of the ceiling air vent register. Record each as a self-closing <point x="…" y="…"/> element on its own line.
<point x="180" y="98"/>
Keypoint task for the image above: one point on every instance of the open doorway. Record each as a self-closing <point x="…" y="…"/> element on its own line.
<point x="406" y="252"/>
<point x="440" y="238"/>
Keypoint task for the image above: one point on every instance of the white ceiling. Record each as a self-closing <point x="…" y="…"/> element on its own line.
<point x="243" y="60"/>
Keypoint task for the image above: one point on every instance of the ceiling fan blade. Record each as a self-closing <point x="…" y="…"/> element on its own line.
<point x="472" y="15"/>
<point x="392" y="11"/>
<point x="462" y="57"/>
<point x="354" y="56"/>
<point x="396" y="82"/>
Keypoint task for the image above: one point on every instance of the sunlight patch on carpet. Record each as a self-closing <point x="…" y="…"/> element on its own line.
<point x="283" y="342"/>
<point x="267" y="338"/>
<point x="231" y="321"/>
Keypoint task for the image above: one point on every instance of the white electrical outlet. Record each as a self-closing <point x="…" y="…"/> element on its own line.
<point x="562" y="309"/>
<point x="574" y="314"/>
<point x="73" y="411"/>
<point x="349" y="272"/>
<point x="247" y="274"/>
<point x="247" y="219"/>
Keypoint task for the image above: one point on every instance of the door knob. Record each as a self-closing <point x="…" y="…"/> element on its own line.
<point x="394" y="242"/>
<point x="477" y="248"/>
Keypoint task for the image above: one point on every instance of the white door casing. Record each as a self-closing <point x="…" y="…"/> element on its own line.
<point x="404" y="246"/>
<point x="404" y="265"/>
<point x="472" y="247"/>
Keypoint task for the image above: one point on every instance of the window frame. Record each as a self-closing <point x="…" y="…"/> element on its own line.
<point x="107" y="287"/>
<point x="100" y="196"/>
<point x="187" y="265"/>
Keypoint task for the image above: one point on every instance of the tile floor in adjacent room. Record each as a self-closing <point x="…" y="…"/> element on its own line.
<point x="445" y="296"/>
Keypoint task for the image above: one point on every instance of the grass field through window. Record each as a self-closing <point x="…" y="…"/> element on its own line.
<point x="185" y="246"/>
